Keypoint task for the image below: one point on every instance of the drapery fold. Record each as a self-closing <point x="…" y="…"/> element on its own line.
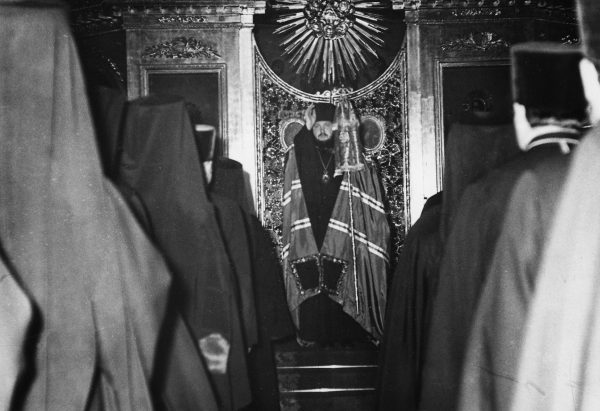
<point x="160" y="163"/>
<point x="99" y="287"/>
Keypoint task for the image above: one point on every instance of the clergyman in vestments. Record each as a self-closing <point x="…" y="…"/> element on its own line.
<point x="335" y="232"/>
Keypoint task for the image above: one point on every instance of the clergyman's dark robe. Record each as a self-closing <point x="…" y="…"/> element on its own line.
<point x="160" y="162"/>
<point x="401" y="352"/>
<point x="560" y="363"/>
<point x="491" y="360"/>
<point x="229" y="180"/>
<point x="108" y="110"/>
<point x="237" y="242"/>
<point x="470" y="152"/>
<point x="467" y="256"/>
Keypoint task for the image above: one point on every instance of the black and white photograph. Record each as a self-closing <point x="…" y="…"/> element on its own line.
<point x="299" y="205"/>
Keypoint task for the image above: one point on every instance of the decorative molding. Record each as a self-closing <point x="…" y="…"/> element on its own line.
<point x="570" y="39"/>
<point x="377" y="121"/>
<point x="136" y="25"/>
<point x="476" y="42"/>
<point x="283" y="129"/>
<point x="149" y="69"/>
<point x="112" y="67"/>
<point x="95" y="20"/>
<point x="181" y="19"/>
<point x="403" y="71"/>
<point x="180" y="48"/>
<point x="474" y="4"/>
<point x="477" y="12"/>
<point x="326" y="97"/>
<point x="290" y="118"/>
<point x="137" y="7"/>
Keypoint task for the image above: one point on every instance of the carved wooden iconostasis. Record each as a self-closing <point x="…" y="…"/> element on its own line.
<point x="411" y="68"/>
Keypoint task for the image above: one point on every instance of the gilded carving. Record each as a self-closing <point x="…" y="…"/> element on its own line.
<point x="94" y="19"/>
<point x="570" y="39"/>
<point x="477" y="12"/>
<point x="329" y="41"/>
<point x="181" y="19"/>
<point x="473" y="4"/>
<point x="477" y="42"/>
<point x="217" y="7"/>
<point x="180" y="48"/>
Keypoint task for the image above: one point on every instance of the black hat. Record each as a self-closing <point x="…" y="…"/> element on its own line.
<point x="589" y="15"/>
<point x="325" y="112"/>
<point x="546" y="79"/>
<point x="205" y="137"/>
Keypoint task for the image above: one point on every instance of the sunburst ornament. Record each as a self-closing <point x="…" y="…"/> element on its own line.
<point x="330" y="37"/>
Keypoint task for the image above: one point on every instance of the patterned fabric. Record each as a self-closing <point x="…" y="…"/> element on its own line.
<point x="357" y="241"/>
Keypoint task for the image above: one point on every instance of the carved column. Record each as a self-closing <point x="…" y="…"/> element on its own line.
<point x="207" y="47"/>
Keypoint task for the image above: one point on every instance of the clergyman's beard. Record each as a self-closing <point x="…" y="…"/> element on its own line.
<point x="323" y="137"/>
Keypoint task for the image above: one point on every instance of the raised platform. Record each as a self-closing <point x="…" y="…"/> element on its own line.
<point x="331" y="378"/>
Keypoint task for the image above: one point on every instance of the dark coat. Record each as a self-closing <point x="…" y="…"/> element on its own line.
<point x="490" y="368"/>
<point x="272" y="315"/>
<point x="274" y="320"/>
<point x="237" y="243"/>
<point x="467" y="256"/>
<point x="108" y="111"/>
<point x="470" y="152"/>
<point x="401" y="353"/>
<point x="161" y="164"/>
<point x="559" y="360"/>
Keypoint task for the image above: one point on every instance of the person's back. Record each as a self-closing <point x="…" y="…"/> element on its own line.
<point x="559" y="361"/>
<point x="468" y="252"/>
<point x="548" y="127"/>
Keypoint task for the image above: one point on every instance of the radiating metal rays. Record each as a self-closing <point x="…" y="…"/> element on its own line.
<point x="328" y="41"/>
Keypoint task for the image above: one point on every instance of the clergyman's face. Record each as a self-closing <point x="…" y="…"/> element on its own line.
<point x="322" y="130"/>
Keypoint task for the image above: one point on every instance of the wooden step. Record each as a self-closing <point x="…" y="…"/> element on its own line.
<point x="327" y="379"/>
